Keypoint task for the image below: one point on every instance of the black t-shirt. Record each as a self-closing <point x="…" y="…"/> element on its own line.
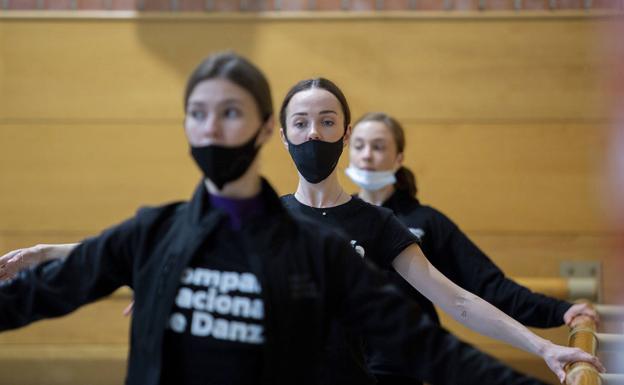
<point x="375" y="232"/>
<point x="215" y="333"/>
<point x="377" y="235"/>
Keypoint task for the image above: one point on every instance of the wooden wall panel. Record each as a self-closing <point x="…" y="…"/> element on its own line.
<point x="504" y="118"/>
<point x="25" y="364"/>
<point x="447" y="69"/>
<point x="511" y="177"/>
<point x="83" y="177"/>
<point x="489" y="177"/>
<point x="458" y="69"/>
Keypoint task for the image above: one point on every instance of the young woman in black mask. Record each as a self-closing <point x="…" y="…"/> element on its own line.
<point x="376" y="148"/>
<point x="315" y="121"/>
<point x="229" y="288"/>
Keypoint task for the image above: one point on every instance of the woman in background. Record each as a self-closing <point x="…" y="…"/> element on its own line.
<point x="377" y="149"/>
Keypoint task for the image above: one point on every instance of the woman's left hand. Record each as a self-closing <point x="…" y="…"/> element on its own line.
<point x="557" y="357"/>
<point x="14" y="261"/>
<point x="583" y="309"/>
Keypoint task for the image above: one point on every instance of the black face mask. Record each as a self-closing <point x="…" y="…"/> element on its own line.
<point x="315" y="159"/>
<point x="224" y="164"/>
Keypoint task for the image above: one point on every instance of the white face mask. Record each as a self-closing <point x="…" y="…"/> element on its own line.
<point x="371" y="180"/>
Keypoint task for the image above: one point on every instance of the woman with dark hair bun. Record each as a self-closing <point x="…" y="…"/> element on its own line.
<point x="315" y="127"/>
<point x="377" y="150"/>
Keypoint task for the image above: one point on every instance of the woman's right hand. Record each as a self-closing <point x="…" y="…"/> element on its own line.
<point x="15" y="261"/>
<point x="558" y="357"/>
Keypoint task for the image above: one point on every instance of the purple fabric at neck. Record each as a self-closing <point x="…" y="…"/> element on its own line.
<point x="238" y="210"/>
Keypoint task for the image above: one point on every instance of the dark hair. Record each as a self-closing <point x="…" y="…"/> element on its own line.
<point x="323" y="84"/>
<point x="238" y="70"/>
<point x="406" y="181"/>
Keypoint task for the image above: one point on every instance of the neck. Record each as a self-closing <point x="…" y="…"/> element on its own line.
<point x="327" y="193"/>
<point x="247" y="186"/>
<point x="377" y="197"/>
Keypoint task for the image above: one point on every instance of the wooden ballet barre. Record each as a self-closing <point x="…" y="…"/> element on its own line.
<point x="583" y="336"/>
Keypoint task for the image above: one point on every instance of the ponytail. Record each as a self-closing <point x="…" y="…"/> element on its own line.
<point x="406" y="181"/>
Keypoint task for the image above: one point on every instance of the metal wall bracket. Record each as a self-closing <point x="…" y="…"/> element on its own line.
<point x="583" y="269"/>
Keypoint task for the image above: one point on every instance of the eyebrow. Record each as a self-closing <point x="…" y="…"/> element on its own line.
<point x="320" y="113"/>
<point x="226" y="101"/>
<point x="231" y="100"/>
<point x="374" y="140"/>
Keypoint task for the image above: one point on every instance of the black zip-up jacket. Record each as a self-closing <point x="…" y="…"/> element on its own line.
<point x="309" y="275"/>
<point x="452" y="252"/>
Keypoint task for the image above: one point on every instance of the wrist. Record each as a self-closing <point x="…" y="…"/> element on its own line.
<point x="542" y="345"/>
<point x="43" y="253"/>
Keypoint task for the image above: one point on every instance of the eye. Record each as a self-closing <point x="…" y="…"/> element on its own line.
<point x="232" y="113"/>
<point x="328" y="123"/>
<point x="358" y="146"/>
<point x="197" y="114"/>
<point x="379" y="147"/>
<point x="300" y="124"/>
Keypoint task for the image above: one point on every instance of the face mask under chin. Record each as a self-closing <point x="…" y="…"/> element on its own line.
<point x="371" y="180"/>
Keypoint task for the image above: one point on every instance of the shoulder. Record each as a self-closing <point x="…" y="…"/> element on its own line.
<point x="288" y="200"/>
<point x="437" y="216"/>
<point x="148" y="213"/>
<point x="366" y="208"/>
<point x="154" y="216"/>
<point x="414" y="213"/>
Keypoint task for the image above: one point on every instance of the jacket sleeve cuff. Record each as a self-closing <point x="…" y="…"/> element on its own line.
<point x="562" y="308"/>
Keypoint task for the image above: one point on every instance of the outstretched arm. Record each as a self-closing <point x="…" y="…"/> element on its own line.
<point x="479" y="315"/>
<point x="17" y="260"/>
<point x="394" y="325"/>
<point x="94" y="269"/>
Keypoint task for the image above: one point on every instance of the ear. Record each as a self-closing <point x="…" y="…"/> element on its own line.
<point x="347" y="136"/>
<point x="399" y="160"/>
<point x="283" y="137"/>
<point x="266" y="130"/>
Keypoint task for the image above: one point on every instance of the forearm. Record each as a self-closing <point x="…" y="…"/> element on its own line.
<point x="463" y="306"/>
<point x="474" y="271"/>
<point x="55" y="251"/>
<point x="482" y="317"/>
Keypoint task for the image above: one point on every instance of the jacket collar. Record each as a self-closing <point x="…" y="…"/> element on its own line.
<point x="199" y="209"/>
